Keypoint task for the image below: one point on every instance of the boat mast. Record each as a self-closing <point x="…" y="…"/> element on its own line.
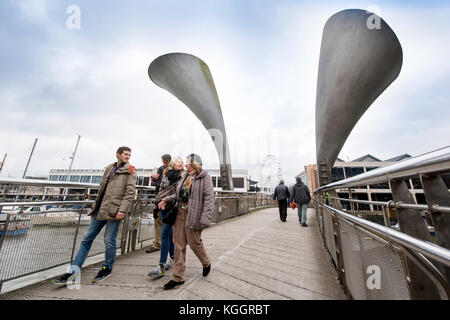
<point x="3" y="162"/>
<point x="29" y="159"/>
<point x="73" y="154"/>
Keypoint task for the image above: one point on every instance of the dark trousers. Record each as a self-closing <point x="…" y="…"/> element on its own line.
<point x="282" y="207"/>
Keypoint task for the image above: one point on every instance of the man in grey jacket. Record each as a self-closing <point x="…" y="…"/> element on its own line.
<point x="282" y="195"/>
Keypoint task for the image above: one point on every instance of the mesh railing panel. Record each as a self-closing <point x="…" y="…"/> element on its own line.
<point x="361" y="251"/>
<point x="146" y="230"/>
<point x="37" y="241"/>
<point x="329" y="235"/>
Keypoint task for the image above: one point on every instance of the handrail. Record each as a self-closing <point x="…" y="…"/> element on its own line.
<point x="398" y="205"/>
<point x="43" y="203"/>
<point x="56" y="184"/>
<point x="428" y="249"/>
<point x="437" y="161"/>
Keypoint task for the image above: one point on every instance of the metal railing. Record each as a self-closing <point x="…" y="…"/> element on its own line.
<point x="35" y="241"/>
<point x="407" y="262"/>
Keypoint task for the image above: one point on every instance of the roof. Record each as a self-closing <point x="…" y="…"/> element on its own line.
<point x="367" y="157"/>
<point x="400" y="157"/>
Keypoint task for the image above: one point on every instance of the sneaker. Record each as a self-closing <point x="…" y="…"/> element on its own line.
<point x="157" y="272"/>
<point x="206" y="270"/>
<point x="304" y="225"/>
<point x="172" y="284"/>
<point x="168" y="265"/>
<point x="151" y="249"/>
<point x="62" y="280"/>
<point x="104" y="273"/>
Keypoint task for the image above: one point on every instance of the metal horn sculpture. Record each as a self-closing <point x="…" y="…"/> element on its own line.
<point x="358" y="61"/>
<point x="188" y="78"/>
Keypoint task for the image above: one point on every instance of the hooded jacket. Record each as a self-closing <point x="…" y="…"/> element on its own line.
<point x="300" y="193"/>
<point x="116" y="195"/>
<point x="201" y="200"/>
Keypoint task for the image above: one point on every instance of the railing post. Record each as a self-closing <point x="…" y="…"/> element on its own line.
<point x="76" y="234"/>
<point x="436" y="192"/>
<point x="123" y="238"/>
<point x="412" y="223"/>
<point x="386" y="216"/>
<point x="352" y="204"/>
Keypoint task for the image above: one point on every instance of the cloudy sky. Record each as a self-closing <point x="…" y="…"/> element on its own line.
<point x="57" y="82"/>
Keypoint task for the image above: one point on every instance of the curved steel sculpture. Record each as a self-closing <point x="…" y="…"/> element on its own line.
<point x="358" y="61"/>
<point x="188" y="78"/>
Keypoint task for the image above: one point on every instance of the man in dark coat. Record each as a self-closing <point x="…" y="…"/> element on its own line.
<point x="282" y="195"/>
<point x="301" y="197"/>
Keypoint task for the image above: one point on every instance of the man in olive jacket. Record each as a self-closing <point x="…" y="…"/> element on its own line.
<point x="117" y="190"/>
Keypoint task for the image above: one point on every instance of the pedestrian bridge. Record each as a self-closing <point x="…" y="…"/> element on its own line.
<point x="254" y="256"/>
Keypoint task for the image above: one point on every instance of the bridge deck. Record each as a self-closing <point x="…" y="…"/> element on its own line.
<point x="254" y="256"/>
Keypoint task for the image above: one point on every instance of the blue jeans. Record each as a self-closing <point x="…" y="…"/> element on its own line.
<point x="167" y="246"/>
<point x="112" y="227"/>
<point x="302" y="212"/>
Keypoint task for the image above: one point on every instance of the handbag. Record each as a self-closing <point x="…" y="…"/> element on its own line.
<point x="170" y="218"/>
<point x="164" y="193"/>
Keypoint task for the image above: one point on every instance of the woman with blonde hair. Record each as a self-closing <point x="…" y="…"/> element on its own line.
<point x="171" y="175"/>
<point x="195" y="198"/>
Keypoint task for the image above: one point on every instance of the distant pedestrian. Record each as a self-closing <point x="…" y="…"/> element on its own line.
<point x="117" y="190"/>
<point x="195" y="197"/>
<point x="158" y="176"/>
<point x="282" y="195"/>
<point x="168" y="187"/>
<point x="301" y="197"/>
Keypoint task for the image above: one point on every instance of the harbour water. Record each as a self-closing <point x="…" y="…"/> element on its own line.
<point x="47" y="246"/>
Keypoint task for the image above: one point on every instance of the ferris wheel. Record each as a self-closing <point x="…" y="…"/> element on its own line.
<point x="269" y="173"/>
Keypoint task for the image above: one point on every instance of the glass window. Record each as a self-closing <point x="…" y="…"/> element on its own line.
<point x="337" y="174"/>
<point x="219" y="182"/>
<point x="146" y="181"/>
<point x="379" y="186"/>
<point x="140" y="181"/>
<point x="416" y="183"/>
<point x="361" y="196"/>
<point x="238" y="182"/>
<point x="446" y="179"/>
<point x="75" y="178"/>
<point x="353" y="171"/>
<point x="345" y="204"/>
<point x="86" y="179"/>
<point x="420" y="197"/>
<point x="62" y="178"/>
<point x="53" y="178"/>
<point x="96" y="179"/>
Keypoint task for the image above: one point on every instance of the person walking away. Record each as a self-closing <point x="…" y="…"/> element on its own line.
<point x="281" y="194"/>
<point x="156" y="245"/>
<point x="116" y="191"/>
<point x="168" y="187"/>
<point x="195" y="198"/>
<point x="301" y="197"/>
